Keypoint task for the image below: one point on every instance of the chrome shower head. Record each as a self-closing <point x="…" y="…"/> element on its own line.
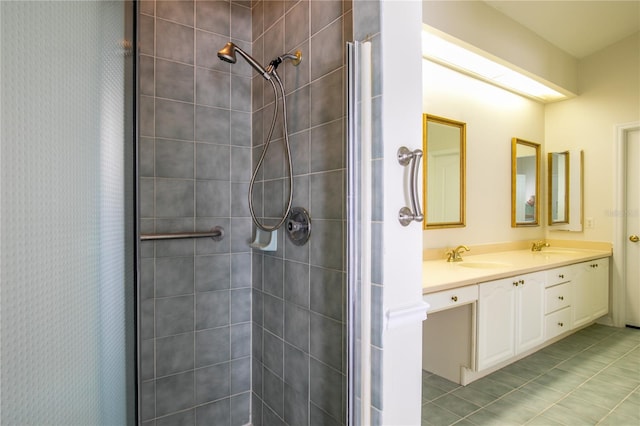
<point x="228" y="54"/>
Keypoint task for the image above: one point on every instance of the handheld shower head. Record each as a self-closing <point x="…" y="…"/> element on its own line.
<point x="228" y="54"/>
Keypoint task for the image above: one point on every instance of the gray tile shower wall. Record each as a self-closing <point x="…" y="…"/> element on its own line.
<point x="195" y="156"/>
<point x="298" y="345"/>
<point x="229" y="336"/>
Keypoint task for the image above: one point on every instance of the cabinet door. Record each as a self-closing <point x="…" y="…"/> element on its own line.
<point x="529" y="311"/>
<point x="581" y="300"/>
<point x="600" y="288"/>
<point x="590" y="291"/>
<point x="496" y="322"/>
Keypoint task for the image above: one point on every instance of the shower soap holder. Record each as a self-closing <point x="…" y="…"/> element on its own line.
<point x="265" y="240"/>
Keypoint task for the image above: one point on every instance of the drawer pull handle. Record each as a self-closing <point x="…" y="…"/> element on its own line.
<point x="515" y="283"/>
<point x="561" y="324"/>
<point x="561" y="276"/>
<point x="454" y="298"/>
<point x="561" y="297"/>
<point x="521" y="282"/>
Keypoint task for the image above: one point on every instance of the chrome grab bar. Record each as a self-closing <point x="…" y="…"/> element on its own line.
<point x="407" y="157"/>
<point x="216" y="234"/>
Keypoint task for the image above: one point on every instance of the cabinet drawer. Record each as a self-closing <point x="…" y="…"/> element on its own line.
<point x="451" y="298"/>
<point x="557" y="323"/>
<point x="559" y="275"/>
<point x="557" y="297"/>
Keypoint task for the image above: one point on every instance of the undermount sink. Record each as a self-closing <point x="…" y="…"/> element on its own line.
<point x="483" y="265"/>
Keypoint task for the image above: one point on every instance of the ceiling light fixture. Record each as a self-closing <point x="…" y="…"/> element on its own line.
<point x="453" y="55"/>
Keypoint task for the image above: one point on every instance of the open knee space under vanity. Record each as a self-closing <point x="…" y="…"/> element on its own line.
<point x="493" y="309"/>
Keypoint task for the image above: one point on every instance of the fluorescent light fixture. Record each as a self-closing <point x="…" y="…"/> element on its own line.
<point x="452" y="55"/>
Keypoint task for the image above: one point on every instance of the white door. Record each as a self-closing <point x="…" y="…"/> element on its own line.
<point x="633" y="229"/>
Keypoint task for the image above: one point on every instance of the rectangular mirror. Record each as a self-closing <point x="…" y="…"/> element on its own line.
<point x="444" y="172"/>
<point x="525" y="183"/>
<point x="558" y="190"/>
<point x="565" y="187"/>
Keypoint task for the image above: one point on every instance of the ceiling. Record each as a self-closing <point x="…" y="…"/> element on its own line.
<point x="578" y="27"/>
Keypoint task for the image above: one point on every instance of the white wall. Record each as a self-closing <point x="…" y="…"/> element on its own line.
<point x="609" y="83"/>
<point x="401" y="254"/>
<point x="493" y="117"/>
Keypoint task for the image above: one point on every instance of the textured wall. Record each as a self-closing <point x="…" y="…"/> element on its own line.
<point x="65" y="184"/>
<point x="298" y="297"/>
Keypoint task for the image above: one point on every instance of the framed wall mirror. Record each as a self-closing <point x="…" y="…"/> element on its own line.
<point x="525" y="183"/>
<point x="559" y="188"/>
<point x="444" y="145"/>
<point x="565" y="189"/>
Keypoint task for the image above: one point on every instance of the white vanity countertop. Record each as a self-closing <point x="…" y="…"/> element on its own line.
<point x="438" y="275"/>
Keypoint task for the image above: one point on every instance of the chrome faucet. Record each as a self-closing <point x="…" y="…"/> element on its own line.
<point x="537" y="245"/>
<point x="454" y="255"/>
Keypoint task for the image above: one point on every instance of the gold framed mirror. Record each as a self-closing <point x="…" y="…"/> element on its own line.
<point x="559" y="187"/>
<point x="525" y="183"/>
<point x="444" y="145"/>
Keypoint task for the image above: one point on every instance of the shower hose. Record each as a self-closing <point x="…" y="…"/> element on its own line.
<point x="281" y="221"/>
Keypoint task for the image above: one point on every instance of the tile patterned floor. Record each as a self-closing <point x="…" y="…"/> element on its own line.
<point x="589" y="378"/>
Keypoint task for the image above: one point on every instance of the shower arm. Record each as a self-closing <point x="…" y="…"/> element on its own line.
<point x="295" y="58"/>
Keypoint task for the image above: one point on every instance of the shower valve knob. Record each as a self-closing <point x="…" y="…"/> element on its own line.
<point x="299" y="226"/>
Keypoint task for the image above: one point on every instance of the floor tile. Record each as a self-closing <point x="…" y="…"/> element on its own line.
<point x="456" y="405"/>
<point x="560" y="380"/>
<point x="464" y="422"/>
<point x="520" y="370"/>
<point x="542" y="392"/>
<point x="487" y="417"/>
<point x="586" y="410"/>
<point x="519" y="398"/>
<point x="429" y="393"/>
<point x="617" y="377"/>
<point x="590" y="378"/>
<point x="543" y="420"/>
<point x="508" y="379"/>
<point x="519" y="415"/>
<point x="634" y="397"/>
<point x="630" y="409"/>
<point x="595" y="395"/>
<point x="565" y="416"/>
<point x="479" y="398"/>
<point x="437" y="416"/>
<point x="582" y="367"/>
<point x="442" y="383"/>
<point x="491" y="387"/>
<point x="617" y="418"/>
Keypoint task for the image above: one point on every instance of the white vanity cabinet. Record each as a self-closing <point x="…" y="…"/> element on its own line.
<point x="590" y="292"/>
<point x="510" y="317"/>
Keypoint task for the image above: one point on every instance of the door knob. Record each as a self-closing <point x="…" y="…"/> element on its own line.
<point x="634" y="238"/>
